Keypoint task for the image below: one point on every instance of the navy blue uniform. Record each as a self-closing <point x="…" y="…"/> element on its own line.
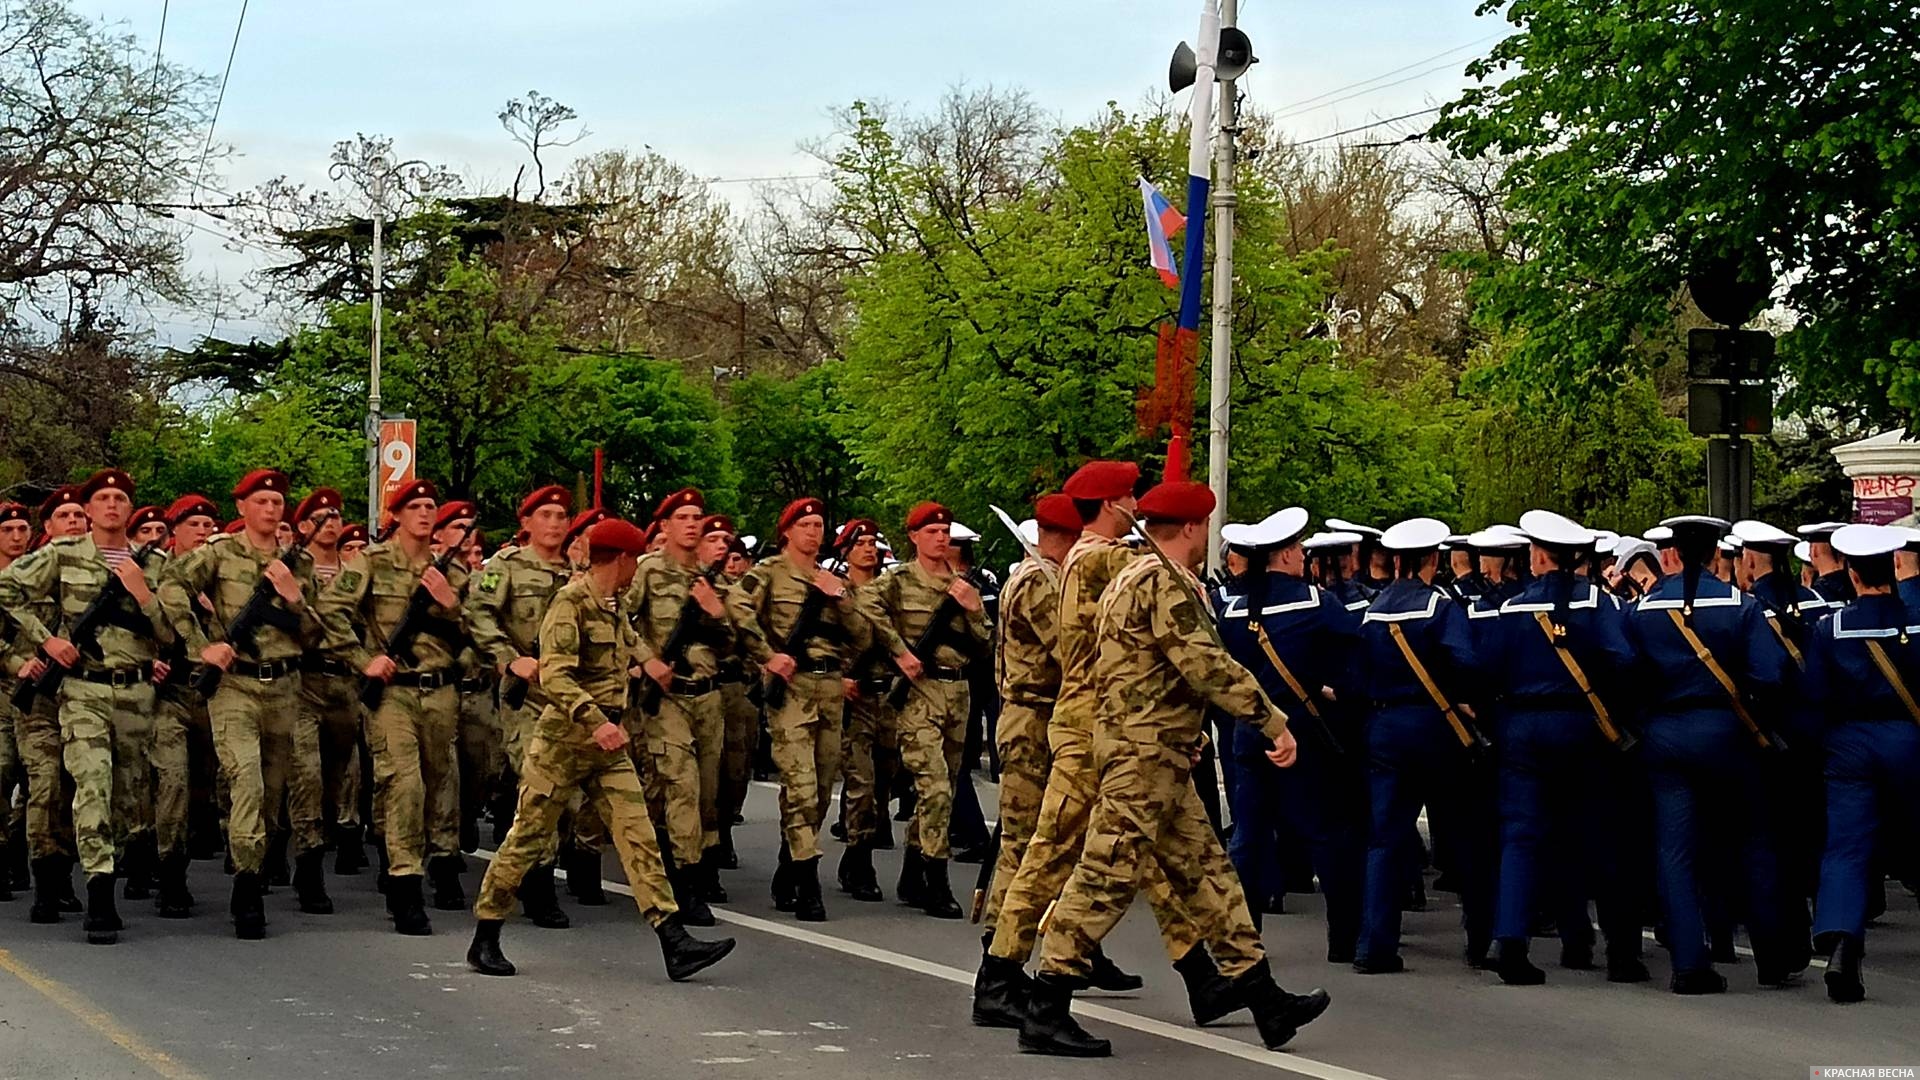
<point x="1413" y="757"/>
<point x="1705" y="766"/>
<point x="1834" y="586"/>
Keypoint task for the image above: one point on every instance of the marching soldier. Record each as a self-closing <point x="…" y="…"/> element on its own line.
<point x="742" y="716"/>
<point x="477" y="741"/>
<point x="504" y="609"/>
<point x="673" y="603"/>
<point x="908" y="606"/>
<point x="587" y="648"/>
<point x="105" y="703"/>
<point x="16" y="531"/>
<point x="1158" y="668"/>
<point x="353" y="541"/>
<point x="255" y="707"/>
<point x="412" y="729"/>
<point x="189" y="793"/>
<point x="872" y="744"/>
<point x="329" y="705"/>
<point x="148" y="525"/>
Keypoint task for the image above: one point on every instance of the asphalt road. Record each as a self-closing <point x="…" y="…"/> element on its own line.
<point x="877" y="991"/>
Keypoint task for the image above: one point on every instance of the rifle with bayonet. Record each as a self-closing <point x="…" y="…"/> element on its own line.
<point x="107" y="608"/>
<point x="931" y="636"/>
<point x="263" y="608"/>
<point x="418" y="619"/>
<point x="673" y="651"/>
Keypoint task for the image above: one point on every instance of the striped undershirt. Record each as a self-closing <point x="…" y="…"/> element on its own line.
<point x="115" y="556"/>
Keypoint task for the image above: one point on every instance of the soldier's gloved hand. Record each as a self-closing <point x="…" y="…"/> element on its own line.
<point x="219" y="654"/>
<point x="782" y="665"/>
<point x="284" y="583"/>
<point x="609" y="736"/>
<point x="830" y="583"/>
<point x="525" y="667"/>
<point x="660" y="671"/>
<point x="909" y="665"/>
<point x="380" y="667"/>
<point x="1285" y="751"/>
<point x="60" y="651"/>
<point x="967" y="596"/>
<point x="708" y="600"/>
<point x="439" y="589"/>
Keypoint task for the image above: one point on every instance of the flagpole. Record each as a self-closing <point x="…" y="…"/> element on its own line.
<point x="1221" y="354"/>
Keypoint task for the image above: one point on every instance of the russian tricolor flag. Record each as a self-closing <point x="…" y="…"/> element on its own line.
<point x="1163" y="223"/>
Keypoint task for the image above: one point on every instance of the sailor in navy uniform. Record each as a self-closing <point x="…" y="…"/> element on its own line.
<point x="1863" y="670"/>
<point x="1320" y="797"/>
<point x="1559" y="774"/>
<point x="1906" y="569"/>
<point x="1413" y="754"/>
<point x="1371" y="570"/>
<point x="1829" y="566"/>
<point x="1335" y="566"/>
<point x="1705" y="764"/>
<point x="1636" y="565"/>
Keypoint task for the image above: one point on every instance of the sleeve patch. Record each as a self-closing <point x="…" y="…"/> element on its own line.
<point x="490" y="581"/>
<point x="349" y="581"/>
<point x="566" y="638"/>
<point x="1186" y="616"/>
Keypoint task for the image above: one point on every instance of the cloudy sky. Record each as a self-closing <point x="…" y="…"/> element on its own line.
<point x="730" y="87"/>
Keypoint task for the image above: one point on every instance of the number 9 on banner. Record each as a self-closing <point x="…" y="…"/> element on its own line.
<point x="396" y="456"/>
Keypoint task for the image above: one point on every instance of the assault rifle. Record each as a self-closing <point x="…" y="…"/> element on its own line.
<point x="673" y="651"/>
<point x="936" y="631"/>
<point x="106" y="609"/>
<point x="773" y="691"/>
<point x="418" y="619"/>
<point x="263" y="608"/>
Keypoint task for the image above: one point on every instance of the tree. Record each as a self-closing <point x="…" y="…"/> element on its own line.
<point x="1646" y="138"/>
<point x="785" y="447"/>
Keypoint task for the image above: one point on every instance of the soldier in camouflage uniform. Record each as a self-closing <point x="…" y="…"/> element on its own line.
<point x="741" y="736"/>
<point x="412" y="731"/>
<point x="871" y="737"/>
<point x="766" y="608"/>
<point x="477" y="737"/>
<point x="683" y="734"/>
<point x="329" y="704"/>
<point x="255" y="709"/>
<point x="189" y="795"/>
<point x="1158" y="668"/>
<point x="106" y="702"/>
<point x="16" y="530"/>
<point x="588" y="649"/>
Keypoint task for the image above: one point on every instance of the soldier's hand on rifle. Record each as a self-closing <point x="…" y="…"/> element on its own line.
<point x="1285" y="751"/>
<point x="963" y="592"/>
<point x="525" y="667"/>
<point x="161" y="669"/>
<point x="850" y="689"/>
<point x="380" y="667"/>
<point x="782" y="665"/>
<point x="437" y="587"/>
<point x="32" y="669"/>
<point x="609" y="736"/>
<point x="219" y="654"/>
<point x="659" y="671"/>
<point x="830" y="583"/>
<point x="909" y="665"/>
<point x="60" y="651"/>
<point x="708" y="600"/>
<point x="1327" y="692"/>
<point x="284" y="582"/>
<point x="134" y="580"/>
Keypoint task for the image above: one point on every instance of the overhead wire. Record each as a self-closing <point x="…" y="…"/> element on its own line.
<point x="221" y="98"/>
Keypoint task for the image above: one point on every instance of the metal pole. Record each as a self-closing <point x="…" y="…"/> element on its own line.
<point x="379" y="188"/>
<point x="1224" y="202"/>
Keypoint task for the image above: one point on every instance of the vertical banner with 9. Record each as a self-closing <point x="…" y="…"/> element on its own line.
<point x="396" y="456"/>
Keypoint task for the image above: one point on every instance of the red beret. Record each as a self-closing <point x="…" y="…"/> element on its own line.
<point x="853" y="531"/>
<point x="353" y="534"/>
<point x="612" y="534"/>
<point x="12" y="511"/>
<point x="143" y="516"/>
<point x="583" y="520"/>
<point x="683" y="497"/>
<point x="797" y="509"/>
<point x="718" y="523"/>
<point x="457" y="510"/>
<point x="1103" y="480"/>
<point x="104" y="480"/>
<point x="928" y="513"/>
<point x="234" y="526"/>
<point x="1177" y="500"/>
<point x="419" y="489"/>
<point x="187" y="506"/>
<point x="1057" y="511"/>
<point x="321" y="499"/>
<point x="262" y="480"/>
<point x="551" y="495"/>
<point x="62" y="496"/>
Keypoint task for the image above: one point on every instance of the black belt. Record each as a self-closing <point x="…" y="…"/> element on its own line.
<point x="731" y="671"/>
<point x="119" y="678"/>
<point x="422" y="680"/>
<point x="686" y="686"/>
<point x="943" y="674"/>
<point x="877" y="685"/>
<point x="828" y="666"/>
<point x="479" y="684"/>
<point x="267" y="672"/>
<point x="320" y="665"/>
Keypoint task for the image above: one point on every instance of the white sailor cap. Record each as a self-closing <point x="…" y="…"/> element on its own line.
<point x="1803" y="551"/>
<point x="961" y="532"/>
<point x="1913" y="536"/>
<point x="1279" y="528"/>
<point x="1865" y="541"/>
<point x="1660" y="536"/>
<point x="1454" y="540"/>
<point x="1630" y="548"/>
<point x="1415" y="534"/>
<point x="1030" y="532"/>
<point x="1237" y="534"/>
<point x="1323" y="540"/>
<point x="1604" y="540"/>
<point x="750" y="542"/>
<point x="1760" y="534"/>
<point x="1621" y="544"/>
<point x="1338" y="525"/>
<point x="1555" y="530"/>
<point x="1729" y="545"/>
<point x="1821" y="530"/>
<point x="1497" y="538"/>
<point x="1699" y="521"/>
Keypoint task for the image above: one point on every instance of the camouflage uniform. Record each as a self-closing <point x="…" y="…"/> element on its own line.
<point x="179" y="720"/>
<point x="870" y="733"/>
<point x="267" y="754"/>
<point x="933" y="722"/>
<point x="477" y="743"/>
<point x="1060" y="831"/>
<point x="741" y="719"/>
<point x="105" y="707"/>
<point x="806" y="729"/>
<point x="586" y="646"/>
<point x="683" y="736"/>
<point x="329" y="701"/>
<point x="1157" y="670"/>
<point x="1028" y="667"/>
<point x="36" y="733"/>
<point x="412" y="732"/>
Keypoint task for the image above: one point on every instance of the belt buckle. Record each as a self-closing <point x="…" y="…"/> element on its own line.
<point x="265" y="673"/>
<point x="123" y="678"/>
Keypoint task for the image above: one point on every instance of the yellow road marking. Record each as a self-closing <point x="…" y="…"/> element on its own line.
<point x="87" y="1013"/>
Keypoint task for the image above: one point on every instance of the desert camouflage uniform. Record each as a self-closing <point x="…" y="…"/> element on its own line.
<point x="870" y="734"/>
<point x="36" y="732"/>
<point x="1157" y="670"/>
<point x="1028" y="667"/>
<point x="741" y="717"/>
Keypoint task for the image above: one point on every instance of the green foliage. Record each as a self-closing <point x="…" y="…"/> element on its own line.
<point x="785" y="448"/>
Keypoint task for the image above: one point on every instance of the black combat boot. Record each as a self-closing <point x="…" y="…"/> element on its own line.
<point x="175" y="901"/>
<point x="538" y="901"/>
<point x="1704" y="981"/>
<point x="502" y="814"/>
<point x="63" y="881"/>
<point x="274" y="870"/>
<point x="349" y="853"/>
<point x="1479" y="945"/>
<point x="1278" y="1014"/>
<point x="448" y="894"/>
<point x="1048" y="1027"/>
<point x="583" y="878"/>
<point x="1210" y="995"/>
<point x="686" y="893"/>
<point x="1514" y="967"/>
<point x="386" y="862"/>
<point x="882" y="838"/>
<point x="856" y="874"/>
<point x="938" y="900"/>
<point x="249" y="913"/>
<point x="484" y="954"/>
<point x="102" y="922"/>
<point x="404" y="903"/>
<point x="807" y="906"/>
<point x="785" y="888"/>
<point x="727" y="859"/>
<point x="1000" y="993"/>
<point x="46" y="889"/>
<point x="6" y="871"/>
<point x="1844" y="985"/>
<point x="19" y="867"/>
<point x="1108" y="976"/>
<point x="1624" y="964"/>
<point x="710" y="888"/>
<point x="310" y="882"/>
<point x="685" y="954"/>
<point x="137" y="868"/>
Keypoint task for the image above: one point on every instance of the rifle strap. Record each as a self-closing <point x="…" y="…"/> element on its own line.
<point x="1601" y="717"/>
<point x="1720" y="676"/>
<point x="1885" y="663"/>
<point x="1286" y="673"/>
<point x="1799" y="658"/>
<point x="1433" y="689"/>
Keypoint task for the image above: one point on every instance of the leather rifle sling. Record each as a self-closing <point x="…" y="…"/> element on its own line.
<point x="1799" y="659"/>
<point x="1286" y="673"/>
<point x="1601" y="717"/>
<point x="1885" y="663"/>
<point x="1720" y="676"/>
<point x="1433" y="689"/>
